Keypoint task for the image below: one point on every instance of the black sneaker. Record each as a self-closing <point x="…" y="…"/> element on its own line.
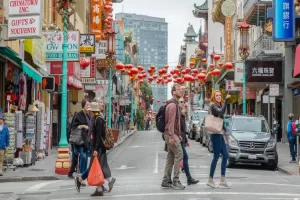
<point x="293" y="161"/>
<point x="166" y="185"/>
<point x="104" y="189"/>
<point x="177" y="185"/>
<point x="192" y="181"/>
<point x="77" y="184"/>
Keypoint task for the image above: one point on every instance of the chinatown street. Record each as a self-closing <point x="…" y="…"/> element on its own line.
<point x="138" y="166"/>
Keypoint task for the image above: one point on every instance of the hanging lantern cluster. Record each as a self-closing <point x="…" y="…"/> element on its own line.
<point x="108" y="7"/>
<point x="84" y="62"/>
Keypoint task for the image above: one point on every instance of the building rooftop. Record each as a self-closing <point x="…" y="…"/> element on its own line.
<point x="133" y="16"/>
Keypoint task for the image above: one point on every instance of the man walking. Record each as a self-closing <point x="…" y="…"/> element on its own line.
<point x="4" y="140"/>
<point x="291" y="129"/>
<point x="173" y="140"/>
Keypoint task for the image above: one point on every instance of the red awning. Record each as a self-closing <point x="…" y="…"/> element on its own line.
<point x="74" y="82"/>
<point x="297" y="63"/>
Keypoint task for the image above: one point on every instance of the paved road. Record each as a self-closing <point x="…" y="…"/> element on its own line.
<point x="138" y="166"/>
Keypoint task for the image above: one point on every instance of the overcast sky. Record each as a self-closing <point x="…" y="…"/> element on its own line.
<point x="178" y="14"/>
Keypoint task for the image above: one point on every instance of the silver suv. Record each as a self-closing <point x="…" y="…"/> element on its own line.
<point x="251" y="141"/>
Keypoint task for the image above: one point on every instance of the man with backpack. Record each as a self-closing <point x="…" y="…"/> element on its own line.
<point x="291" y="134"/>
<point x="172" y="137"/>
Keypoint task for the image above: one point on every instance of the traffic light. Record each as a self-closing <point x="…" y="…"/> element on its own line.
<point x="48" y="83"/>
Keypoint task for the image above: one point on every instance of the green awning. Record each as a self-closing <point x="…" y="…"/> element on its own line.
<point x="32" y="72"/>
<point x="10" y="55"/>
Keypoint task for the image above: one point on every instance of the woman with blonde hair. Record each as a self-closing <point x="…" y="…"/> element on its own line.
<point x="99" y="150"/>
<point x="218" y="108"/>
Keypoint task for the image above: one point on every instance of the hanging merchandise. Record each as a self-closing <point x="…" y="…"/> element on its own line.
<point x="40" y="136"/>
<point x="22" y="92"/>
<point x="10" y="155"/>
<point x="19" y="129"/>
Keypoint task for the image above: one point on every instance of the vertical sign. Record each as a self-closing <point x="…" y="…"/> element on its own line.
<point x="284" y="20"/>
<point x="96" y="18"/>
<point x="228" y="39"/>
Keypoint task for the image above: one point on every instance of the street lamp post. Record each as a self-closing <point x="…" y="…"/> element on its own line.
<point x="244" y="53"/>
<point x="111" y="51"/>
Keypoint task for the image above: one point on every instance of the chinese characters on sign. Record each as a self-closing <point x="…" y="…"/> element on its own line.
<point x="25" y="19"/>
<point x="284" y="26"/>
<point x="96" y="18"/>
<point x="87" y="43"/>
<point x="228" y="41"/>
<point x="263" y="71"/>
<point x="100" y="49"/>
<point x="230" y="86"/>
<point x="53" y="46"/>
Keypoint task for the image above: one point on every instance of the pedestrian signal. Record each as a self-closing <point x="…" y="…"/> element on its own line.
<point x="48" y="83"/>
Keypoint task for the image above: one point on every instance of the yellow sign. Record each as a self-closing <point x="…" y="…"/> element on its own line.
<point x="228" y="39"/>
<point x="37" y="50"/>
<point x="85" y="49"/>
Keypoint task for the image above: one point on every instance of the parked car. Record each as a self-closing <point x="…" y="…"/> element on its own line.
<point x="197" y="118"/>
<point x="252" y="141"/>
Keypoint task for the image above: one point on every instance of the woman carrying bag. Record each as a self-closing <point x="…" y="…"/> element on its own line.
<point x="214" y="123"/>
<point x="99" y="150"/>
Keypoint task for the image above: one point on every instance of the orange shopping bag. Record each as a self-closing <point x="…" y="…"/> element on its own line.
<point x="96" y="177"/>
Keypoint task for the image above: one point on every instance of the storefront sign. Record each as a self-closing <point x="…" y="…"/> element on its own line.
<point x="238" y="72"/>
<point x="283" y="20"/>
<point x="25" y="7"/>
<point x="88" y="80"/>
<point x="21" y="27"/>
<point x="125" y="102"/>
<point x="231" y="87"/>
<point x="25" y="19"/>
<point x="249" y="94"/>
<point x="102" y="82"/>
<point x="100" y="49"/>
<point x="54" y="46"/>
<point x="96" y="18"/>
<point x="228" y="39"/>
<point x="86" y="73"/>
<point x="73" y="68"/>
<point x="90" y="87"/>
<point x="87" y="43"/>
<point x="274" y="90"/>
<point x="264" y="71"/>
<point x="73" y="81"/>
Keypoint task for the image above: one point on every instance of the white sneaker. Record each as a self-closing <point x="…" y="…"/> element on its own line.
<point x="211" y="184"/>
<point x="224" y="184"/>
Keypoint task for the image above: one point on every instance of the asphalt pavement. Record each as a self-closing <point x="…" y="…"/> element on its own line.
<point x="138" y="166"/>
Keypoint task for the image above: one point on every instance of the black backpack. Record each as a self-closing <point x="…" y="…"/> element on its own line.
<point x="161" y="117"/>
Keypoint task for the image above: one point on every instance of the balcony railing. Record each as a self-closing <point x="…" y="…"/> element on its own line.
<point x="264" y="42"/>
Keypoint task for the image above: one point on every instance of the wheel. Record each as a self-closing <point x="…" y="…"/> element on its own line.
<point x="210" y="147"/>
<point x="274" y="164"/>
<point x="201" y="140"/>
<point x="198" y="139"/>
<point x="230" y="164"/>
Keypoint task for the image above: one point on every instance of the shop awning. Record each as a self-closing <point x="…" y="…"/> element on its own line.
<point x="297" y="63"/>
<point x="31" y="72"/>
<point x="73" y="82"/>
<point x="10" y="55"/>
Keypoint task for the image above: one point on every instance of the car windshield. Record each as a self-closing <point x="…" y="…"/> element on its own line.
<point x="199" y="115"/>
<point x="250" y="124"/>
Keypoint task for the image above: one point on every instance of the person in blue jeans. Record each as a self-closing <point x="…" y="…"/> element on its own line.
<point x="292" y="138"/>
<point x="184" y="144"/>
<point x="218" y="108"/>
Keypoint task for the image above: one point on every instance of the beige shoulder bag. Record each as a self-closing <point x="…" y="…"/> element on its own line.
<point x="213" y="124"/>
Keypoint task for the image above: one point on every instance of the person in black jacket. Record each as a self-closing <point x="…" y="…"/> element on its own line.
<point x="218" y="108"/>
<point x="80" y="121"/>
<point x="184" y="144"/>
<point x="99" y="150"/>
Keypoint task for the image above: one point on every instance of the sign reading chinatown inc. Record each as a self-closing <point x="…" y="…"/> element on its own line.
<point x="54" y="46"/>
<point x="283" y="20"/>
<point x="25" y="19"/>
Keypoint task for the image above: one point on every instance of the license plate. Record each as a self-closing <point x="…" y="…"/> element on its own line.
<point x="252" y="157"/>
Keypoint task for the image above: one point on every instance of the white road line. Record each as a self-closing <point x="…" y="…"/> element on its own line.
<point x="155" y="171"/>
<point x="282" y="198"/>
<point x="40" y="185"/>
<point x="125" y="167"/>
<point x="189" y="193"/>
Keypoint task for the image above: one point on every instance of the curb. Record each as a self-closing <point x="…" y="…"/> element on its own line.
<point x="118" y="144"/>
<point x="9" y="196"/>
<point x="286" y="172"/>
<point x="33" y="178"/>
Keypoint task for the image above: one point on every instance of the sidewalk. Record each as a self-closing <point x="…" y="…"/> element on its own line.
<point x="44" y="169"/>
<point x="284" y="164"/>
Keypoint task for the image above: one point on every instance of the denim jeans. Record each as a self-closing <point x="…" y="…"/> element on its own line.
<point x="185" y="161"/>
<point x="293" y="148"/>
<point x="78" y="149"/>
<point x="219" y="147"/>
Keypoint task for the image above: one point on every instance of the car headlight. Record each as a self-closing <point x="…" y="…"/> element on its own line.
<point x="271" y="142"/>
<point x="232" y="141"/>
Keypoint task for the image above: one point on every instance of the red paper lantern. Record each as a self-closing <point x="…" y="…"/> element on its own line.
<point x="155" y="76"/>
<point x="204" y="60"/>
<point x="217" y="57"/>
<point x="172" y="72"/>
<point x="158" y="101"/>
<point x="175" y="76"/>
<point x="140" y="68"/>
<point x="140" y="76"/>
<point x="150" y="78"/>
<point x="128" y="66"/>
<point x="201" y="76"/>
<point x="152" y="99"/>
<point x="152" y="67"/>
<point x="123" y="70"/>
<point x="164" y="71"/>
<point x="183" y="71"/>
<point x="169" y="75"/>
<point x="216" y="72"/>
<point x="176" y="71"/>
<point x="211" y="66"/>
<point x="84" y="63"/>
<point x="228" y="66"/>
<point x="220" y="64"/>
<point x="166" y="66"/>
<point x="195" y="71"/>
<point x="134" y="71"/>
<point x="141" y="81"/>
<point x="119" y="66"/>
<point x="188" y="70"/>
<point x="179" y="66"/>
<point x="192" y="64"/>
